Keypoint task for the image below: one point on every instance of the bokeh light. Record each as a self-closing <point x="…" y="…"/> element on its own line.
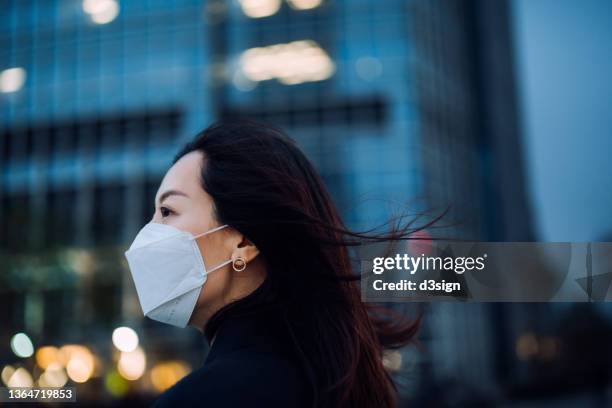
<point x="101" y="11"/>
<point x="54" y="376"/>
<point x="47" y="355"/>
<point x="291" y="64"/>
<point x="526" y="346"/>
<point x="260" y="8"/>
<point x="392" y="360"/>
<point x="6" y="373"/>
<point x="22" y="345"/>
<point x="79" y="362"/>
<point x="132" y="364"/>
<point x="115" y="384"/>
<point x="304" y="4"/>
<point x="12" y="79"/>
<point x="164" y="375"/>
<point x="125" y="339"/>
<point x="20" y="378"/>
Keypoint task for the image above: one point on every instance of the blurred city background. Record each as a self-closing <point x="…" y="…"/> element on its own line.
<point x="500" y="109"/>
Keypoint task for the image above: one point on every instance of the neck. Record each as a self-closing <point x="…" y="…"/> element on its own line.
<point x="242" y="284"/>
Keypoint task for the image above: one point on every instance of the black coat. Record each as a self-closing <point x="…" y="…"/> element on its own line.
<point x="252" y="363"/>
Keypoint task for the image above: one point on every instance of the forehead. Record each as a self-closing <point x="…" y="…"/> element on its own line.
<point x="184" y="175"/>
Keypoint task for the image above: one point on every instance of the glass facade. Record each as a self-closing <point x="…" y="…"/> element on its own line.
<point x="358" y="126"/>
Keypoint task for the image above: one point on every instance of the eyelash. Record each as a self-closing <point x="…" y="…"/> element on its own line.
<point x="161" y="209"/>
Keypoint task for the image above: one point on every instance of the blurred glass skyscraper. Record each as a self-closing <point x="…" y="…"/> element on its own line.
<point x="386" y="98"/>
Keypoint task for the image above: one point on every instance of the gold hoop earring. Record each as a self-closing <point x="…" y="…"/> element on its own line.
<point x="239" y="264"/>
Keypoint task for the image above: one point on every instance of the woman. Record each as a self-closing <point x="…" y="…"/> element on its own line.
<point x="246" y="245"/>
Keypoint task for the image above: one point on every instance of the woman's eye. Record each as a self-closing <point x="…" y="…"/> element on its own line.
<point x="165" y="211"/>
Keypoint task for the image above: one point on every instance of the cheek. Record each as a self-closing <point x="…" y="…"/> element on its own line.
<point x="214" y="250"/>
<point x="215" y="287"/>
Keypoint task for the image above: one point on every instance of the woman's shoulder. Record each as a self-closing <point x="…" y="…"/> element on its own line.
<point x="249" y="376"/>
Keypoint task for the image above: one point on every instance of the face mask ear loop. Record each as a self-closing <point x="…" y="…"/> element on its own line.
<point x="222" y="264"/>
<point x="210" y="231"/>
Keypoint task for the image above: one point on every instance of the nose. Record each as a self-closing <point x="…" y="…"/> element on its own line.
<point x="154" y="218"/>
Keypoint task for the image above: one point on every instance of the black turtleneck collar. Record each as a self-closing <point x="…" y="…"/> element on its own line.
<point x="253" y="352"/>
<point x="264" y="325"/>
<point x="254" y="319"/>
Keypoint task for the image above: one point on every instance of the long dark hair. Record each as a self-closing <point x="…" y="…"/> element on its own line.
<point x="264" y="186"/>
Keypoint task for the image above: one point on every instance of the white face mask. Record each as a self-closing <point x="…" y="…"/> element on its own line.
<point x="168" y="271"/>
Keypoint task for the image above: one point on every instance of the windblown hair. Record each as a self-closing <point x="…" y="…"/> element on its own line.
<point x="264" y="186"/>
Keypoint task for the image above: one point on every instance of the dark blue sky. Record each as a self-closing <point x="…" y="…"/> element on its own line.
<point x="565" y="75"/>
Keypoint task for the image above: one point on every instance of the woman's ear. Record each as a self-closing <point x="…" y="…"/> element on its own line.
<point x="245" y="250"/>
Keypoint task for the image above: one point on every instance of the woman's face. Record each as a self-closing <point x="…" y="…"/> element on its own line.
<point x="182" y="203"/>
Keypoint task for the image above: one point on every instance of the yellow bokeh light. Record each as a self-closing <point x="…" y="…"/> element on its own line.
<point x="46" y="356"/>
<point x="6" y="374"/>
<point x="165" y="375"/>
<point x="527" y="346"/>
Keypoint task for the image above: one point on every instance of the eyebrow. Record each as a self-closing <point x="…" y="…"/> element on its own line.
<point x="168" y="193"/>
